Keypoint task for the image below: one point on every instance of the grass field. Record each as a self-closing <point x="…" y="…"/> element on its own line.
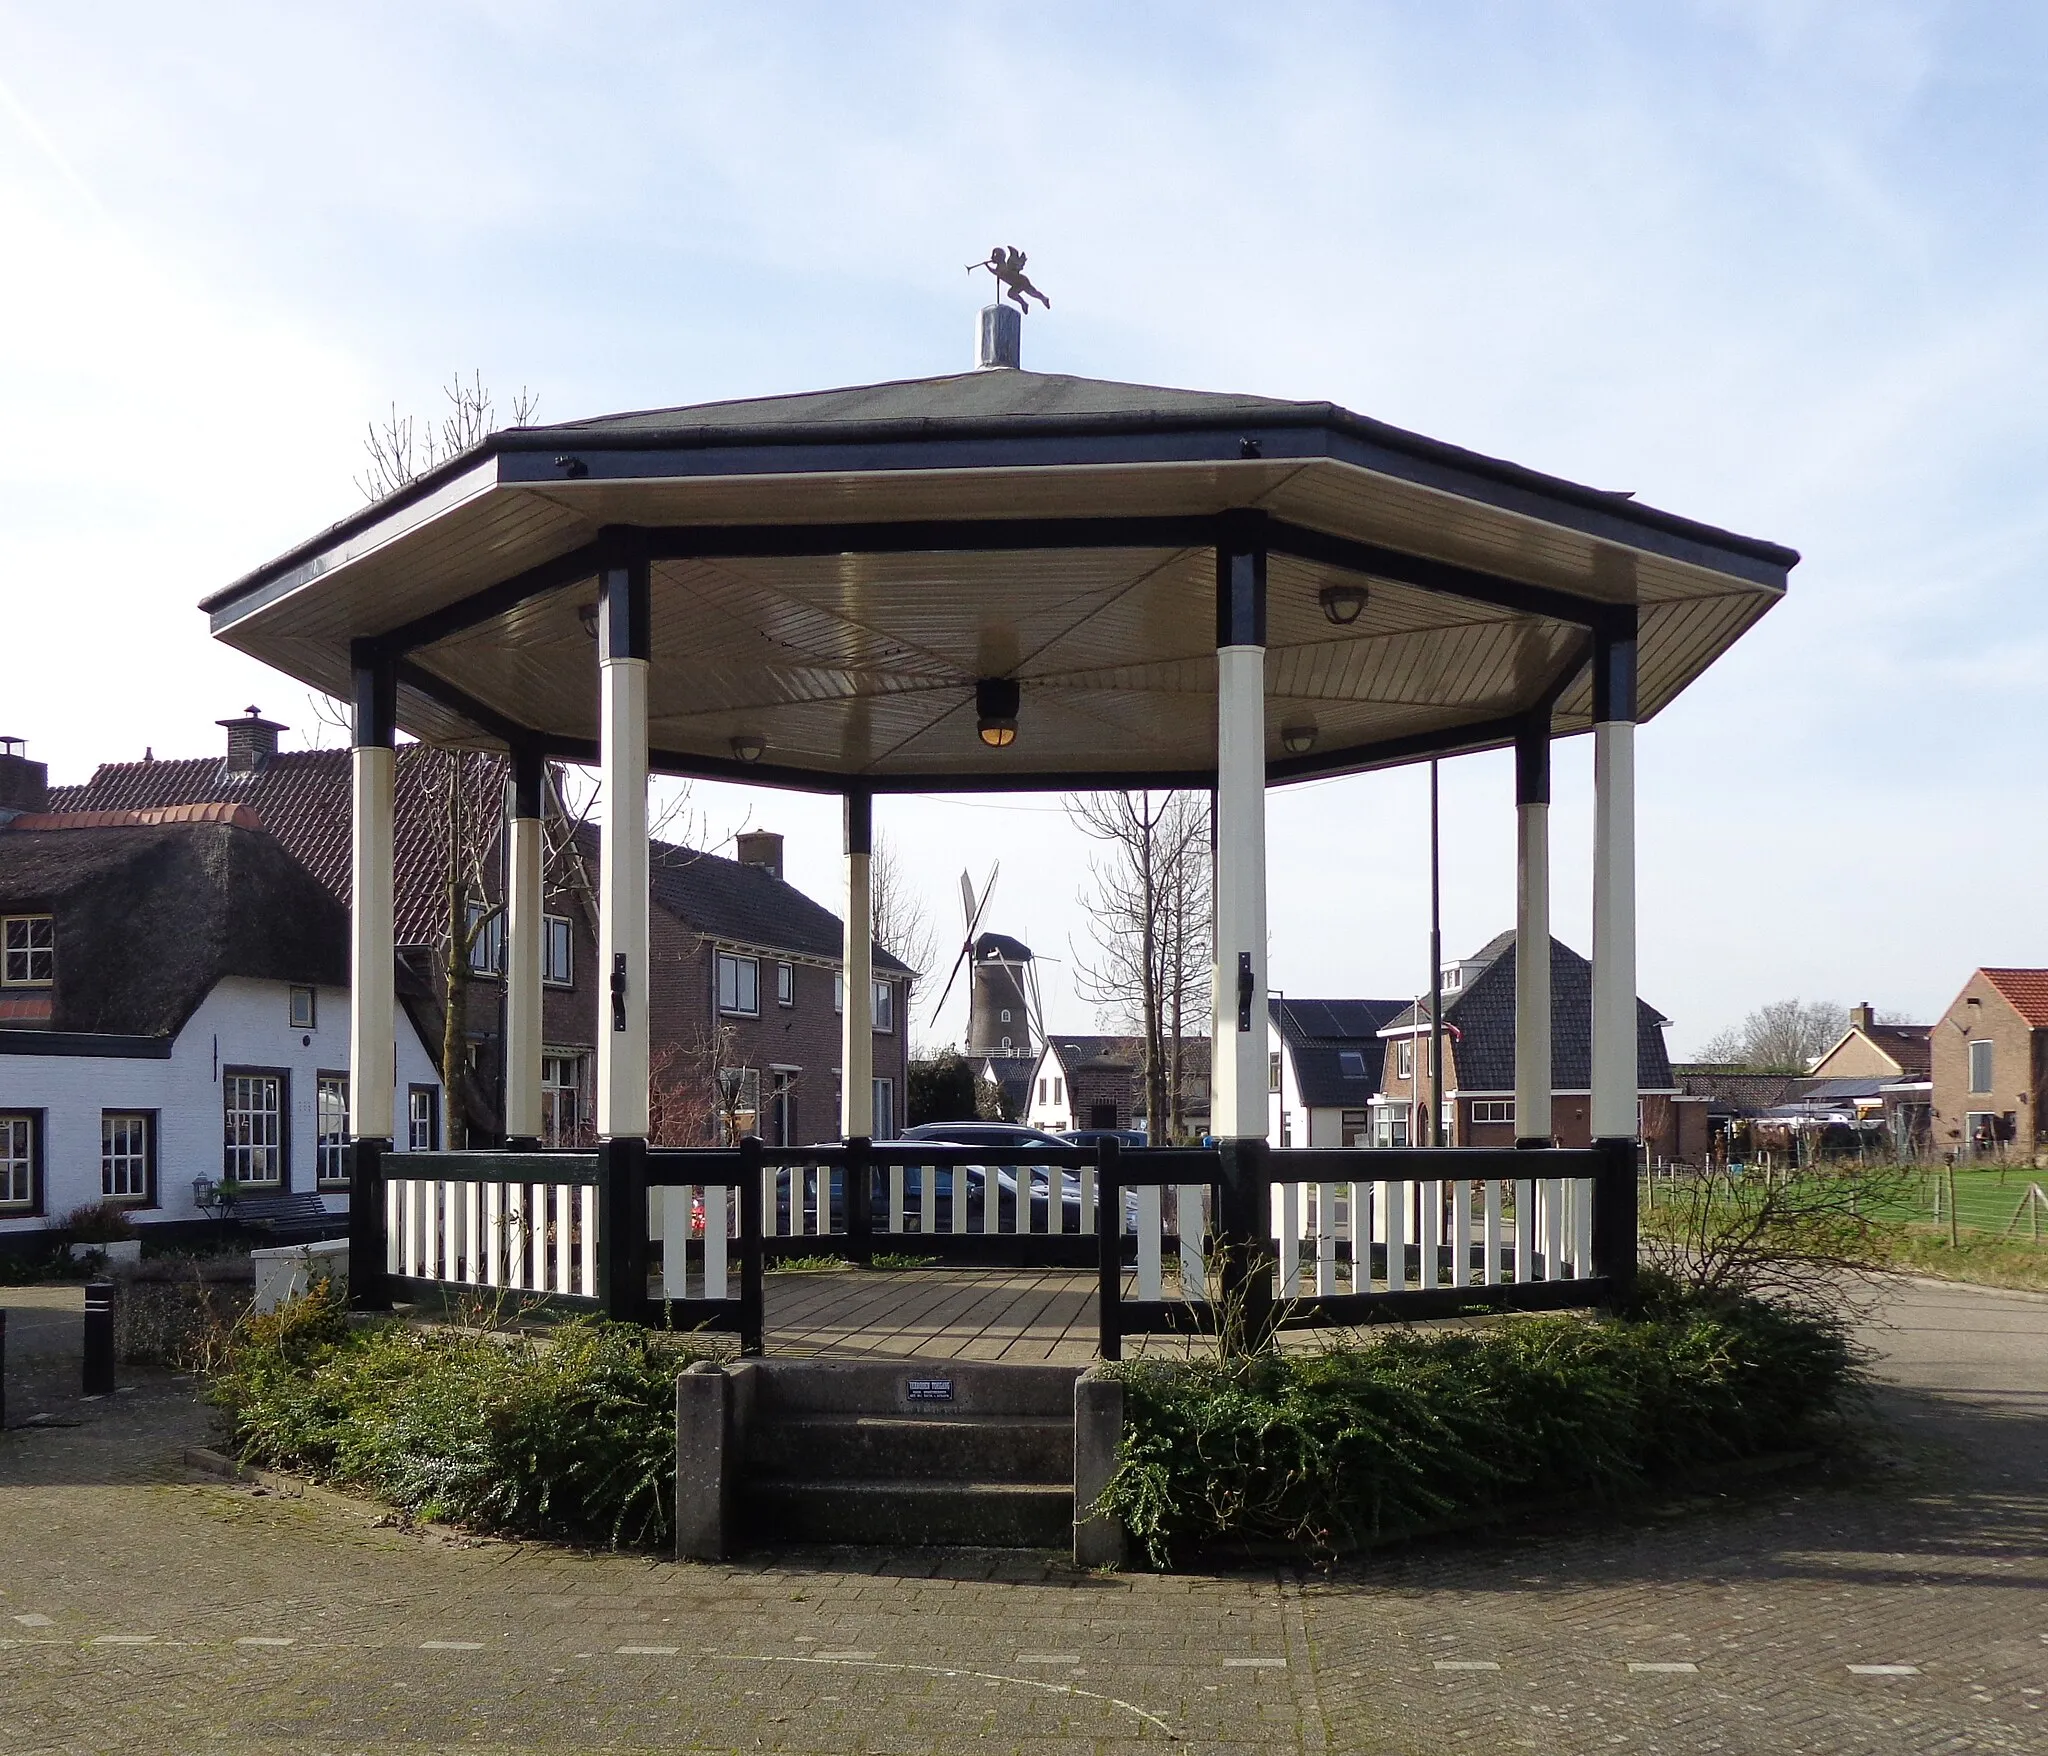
<point x="1986" y="1201"/>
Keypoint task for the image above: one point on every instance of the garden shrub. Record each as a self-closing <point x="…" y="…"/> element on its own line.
<point x="1378" y="1438"/>
<point x="571" y="1434"/>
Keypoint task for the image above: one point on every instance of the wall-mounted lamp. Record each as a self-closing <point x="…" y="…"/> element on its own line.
<point x="1341" y="603"/>
<point x="748" y="746"/>
<point x="587" y="615"/>
<point x="995" y="711"/>
<point x="1299" y="738"/>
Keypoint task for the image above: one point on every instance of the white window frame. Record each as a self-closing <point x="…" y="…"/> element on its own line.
<point x="18" y="1157"/>
<point x="1489" y="1110"/>
<point x="785" y="984"/>
<point x="885" y="1007"/>
<point x="306" y="1016"/>
<point x="1990" y="1066"/>
<point x="883" y="1117"/>
<point x="23" y="950"/>
<point x="557" y="951"/>
<point x="1404" y="1058"/>
<point x="253" y="1137"/>
<point x="1272" y="1071"/>
<point x="746" y="974"/>
<point x="127" y="1155"/>
<point x="561" y="1076"/>
<point x="330" y="1128"/>
<point x="422" y="1118"/>
<point x="839" y="990"/>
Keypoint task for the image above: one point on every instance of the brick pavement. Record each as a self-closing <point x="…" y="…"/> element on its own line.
<point x="143" y="1608"/>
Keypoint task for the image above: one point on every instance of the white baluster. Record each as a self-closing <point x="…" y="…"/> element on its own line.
<point x="1326" y="1238"/>
<point x="586" y="1208"/>
<point x="1287" y="1226"/>
<point x="1087" y="1198"/>
<point x="1150" y="1226"/>
<point x="1396" y="1208"/>
<point x="1525" y="1231"/>
<point x="1582" y="1228"/>
<point x="1191" y="1223"/>
<point x="494" y="1235"/>
<point x="895" y="1198"/>
<point x="1493" y="1232"/>
<point x="675" y="1241"/>
<point x="565" y="1242"/>
<point x="1461" y="1233"/>
<point x="1358" y="1227"/>
<point x="717" y="1228"/>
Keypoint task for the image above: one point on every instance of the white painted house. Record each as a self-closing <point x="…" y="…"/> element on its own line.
<point x="1323" y="1061"/>
<point x="173" y="1007"/>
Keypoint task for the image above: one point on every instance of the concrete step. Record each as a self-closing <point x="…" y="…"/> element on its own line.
<point x="985" y="1448"/>
<point x="905" y="1514"/>
<point x="934" y="1388"/>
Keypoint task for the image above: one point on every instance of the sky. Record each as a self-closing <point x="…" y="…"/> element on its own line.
<point x="1776" y="266"/>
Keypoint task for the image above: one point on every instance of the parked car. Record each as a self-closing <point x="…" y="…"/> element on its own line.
<point x="996" y="1136"/>
<point x="1093" y="1136"/>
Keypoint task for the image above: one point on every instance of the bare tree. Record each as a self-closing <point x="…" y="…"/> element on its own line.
<point x="1785" y="1036"/>
<point x="1148" y="900"/>
<point x="902" y="925"/>
<point x="402" y="449"/>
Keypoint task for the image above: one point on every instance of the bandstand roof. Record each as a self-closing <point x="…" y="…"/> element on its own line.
<point x="831" y="573"/>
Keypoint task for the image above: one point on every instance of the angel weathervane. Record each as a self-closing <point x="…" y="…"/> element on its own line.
<point x="1006" y="263"/>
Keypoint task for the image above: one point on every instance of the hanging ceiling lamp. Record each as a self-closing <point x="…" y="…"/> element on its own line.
<point x="995" y="711"/>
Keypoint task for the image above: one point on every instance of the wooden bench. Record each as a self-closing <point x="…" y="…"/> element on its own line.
<point x="287" y="1216"/>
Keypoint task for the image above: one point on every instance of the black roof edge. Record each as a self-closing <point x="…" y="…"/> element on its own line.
<point x="1325" y="415"/>
<point x="85" y="1042"/>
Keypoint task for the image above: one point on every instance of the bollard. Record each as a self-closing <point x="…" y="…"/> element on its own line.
<point x="99" y="1338"/>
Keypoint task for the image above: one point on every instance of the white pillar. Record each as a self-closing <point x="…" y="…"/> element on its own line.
<point x="856" y="1019"/>
<point x="1238" y="1107"/>
<point x="523" y="951"/>
<point x="622" y="1054"/>
<point x="1614" y="887"/>
<point x="1532" y="934"/>
<point x="372" y="1046"/>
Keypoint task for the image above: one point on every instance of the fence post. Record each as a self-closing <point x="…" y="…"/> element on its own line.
<point x="752" y="1305"/>
<point x="369" y="1281"/>
<point x="860" y="1219"/>
<point x="1615" y="1219"/>
<point x="1244" y="1235"/>
<point x="622" y="1228"/>
<point x="99" y="1338"/>
<point x="1109" y="1250"/>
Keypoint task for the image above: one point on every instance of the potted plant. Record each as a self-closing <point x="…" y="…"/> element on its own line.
<point x="101" y="1229"/>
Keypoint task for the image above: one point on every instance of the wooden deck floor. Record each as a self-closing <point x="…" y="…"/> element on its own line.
<point x="1018" y="1315"/>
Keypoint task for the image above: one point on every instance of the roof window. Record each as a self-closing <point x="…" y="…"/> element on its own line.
<point x="1351" y="1064"/>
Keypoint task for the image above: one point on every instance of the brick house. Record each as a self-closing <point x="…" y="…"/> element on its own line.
<point x="1988" y="1066"/>
<point x="1099" y="1082"/>
<point x="1478" y="1087"/>
<point x="744" y="967"/>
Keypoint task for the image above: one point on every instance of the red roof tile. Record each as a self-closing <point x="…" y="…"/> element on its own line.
<point x="2025" y="990"/>
<point x="241" y="816"/>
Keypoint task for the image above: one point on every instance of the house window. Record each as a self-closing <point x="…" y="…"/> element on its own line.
<point x="1041" y="1091"/>
<point x="557" y="951"/>
<point x="561" y="1086"/>
<point x="839" y="992"/>
<point x="486" y="940"/>
<point x="18" y="1138"/>
<point x="1980" y="1067"/>
<point x="782" y="1105"/>
<point x="739" y="1101"/>
<point x="785" y="984"/>
<point x="31" y="951"/>
<point x="1351" y="1064"/>
<point x="1356" y="1126"/>
<point x="1006" y="1015"/>
<point x="1058" y="1095"/>
<point x="304" y="1009"/>
<point x="884" y="1118"/>
<point x="1493" y="1109"/>
<point x="885" y="1007"/>
<point x="423" y="1118"/>
<point x="1390" y="1127"/>
<point x="330" y="1128"/>
<point x="1452" y="977"/>
<point x="739" y="985"/>
<point x="252" y="1114"/>
<point x="128" y="1155"/>
<point x="1404" y="1058"/>
<point x="1007" y="1046"/>
<point x="1273" y="1070"/>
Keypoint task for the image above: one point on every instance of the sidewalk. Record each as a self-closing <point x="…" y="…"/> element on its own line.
<point x="143" y="1608"/>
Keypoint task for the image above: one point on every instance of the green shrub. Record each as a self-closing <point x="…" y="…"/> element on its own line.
<point x="567" y="1435"/>
<point x="1336" y="1448"/>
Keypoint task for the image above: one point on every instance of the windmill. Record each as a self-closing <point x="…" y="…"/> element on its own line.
<point x="1004" y="1016"/>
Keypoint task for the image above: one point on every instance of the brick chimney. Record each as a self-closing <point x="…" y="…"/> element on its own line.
<point x="761" y="847"/>
<point x="1861" y="1017"/>
<point x="252" y="741"/>
<point x="24" y="785"/>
